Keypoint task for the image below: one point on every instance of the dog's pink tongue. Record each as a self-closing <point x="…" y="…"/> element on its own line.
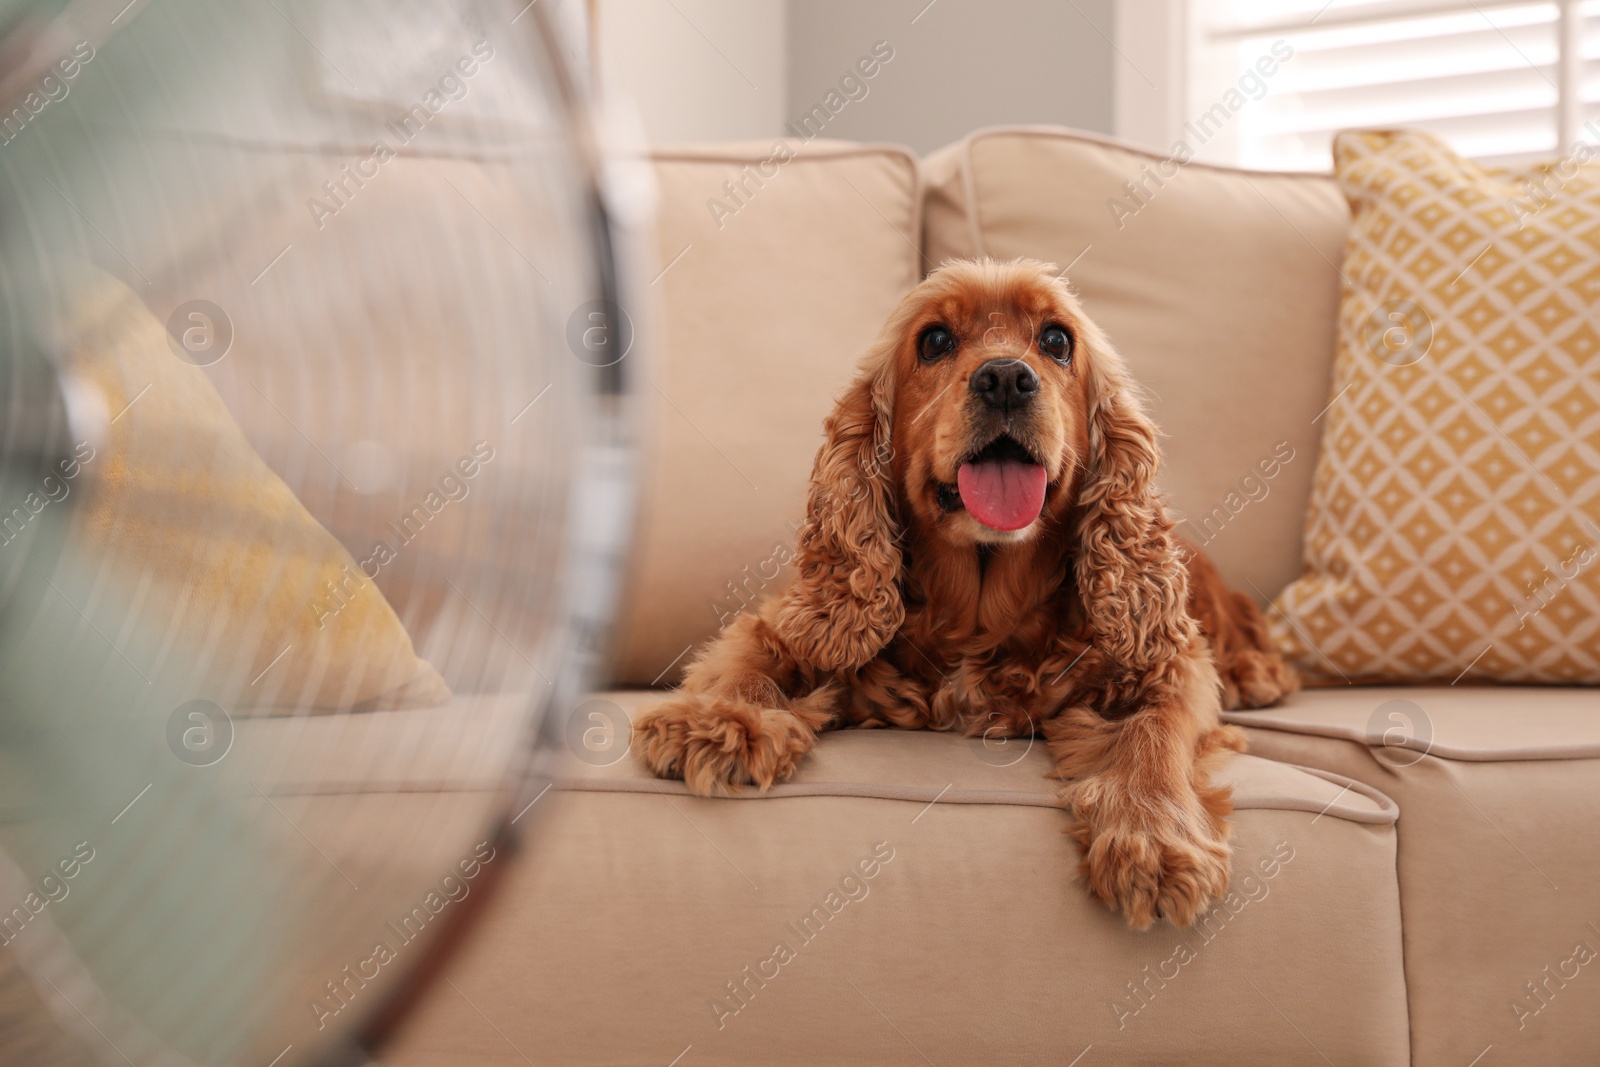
<point x="1002" y="494"/>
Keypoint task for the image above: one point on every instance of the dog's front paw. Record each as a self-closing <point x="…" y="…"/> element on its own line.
<point x="1255" y="679"/>
<point x="1167" y="862"/>
<point x="717" y="744"/>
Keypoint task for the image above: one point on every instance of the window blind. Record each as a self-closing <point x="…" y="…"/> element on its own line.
<point x="1502" y="82"/>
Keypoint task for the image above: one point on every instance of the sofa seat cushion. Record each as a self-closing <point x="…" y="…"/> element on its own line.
<point x="1220" y="287"/>
<point x="916" y="892"/>
<point x="1499" y="790"/>
<point x="470" y="744"/>
<point x="1474" y="723"/>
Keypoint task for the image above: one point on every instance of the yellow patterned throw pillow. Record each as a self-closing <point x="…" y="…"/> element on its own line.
<point x="252" y="602"/>
<point x="1454" y="527"/>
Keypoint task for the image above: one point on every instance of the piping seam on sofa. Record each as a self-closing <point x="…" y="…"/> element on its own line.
<point x="1386" y="815"/>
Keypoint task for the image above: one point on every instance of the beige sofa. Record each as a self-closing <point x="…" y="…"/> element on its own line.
<point x="1410" y="865"/>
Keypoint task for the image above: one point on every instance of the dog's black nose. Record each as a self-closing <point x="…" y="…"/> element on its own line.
<point x="1004" y="383"/>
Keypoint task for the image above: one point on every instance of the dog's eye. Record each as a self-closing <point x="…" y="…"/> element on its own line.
<point x="936" y="341"/>
<point x="1056" y="342"/>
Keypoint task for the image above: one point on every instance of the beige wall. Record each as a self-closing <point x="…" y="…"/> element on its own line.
<point x="961" y="65"/>
<point x="719" y="70"/>
<point x="698" y="70"/>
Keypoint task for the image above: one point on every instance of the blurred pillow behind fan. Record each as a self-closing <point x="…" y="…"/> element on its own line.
<point x="223" y="557"/>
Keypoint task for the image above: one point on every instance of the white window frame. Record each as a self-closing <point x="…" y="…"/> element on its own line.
<point x="1150" y="89"/>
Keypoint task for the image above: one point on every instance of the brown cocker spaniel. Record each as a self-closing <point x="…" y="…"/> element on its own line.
<point x="985" y="550"/>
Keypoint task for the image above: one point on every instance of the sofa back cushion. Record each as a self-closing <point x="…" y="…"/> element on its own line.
<point x="778" y="264"/>
<point x="1221" y="289"/>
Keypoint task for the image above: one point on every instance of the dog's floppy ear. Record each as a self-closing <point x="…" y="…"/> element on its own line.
<point x="1129" y="568"/>
<point x="844" y="605"/>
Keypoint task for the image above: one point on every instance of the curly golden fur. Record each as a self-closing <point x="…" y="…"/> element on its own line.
<point x="1092" y="624"/>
